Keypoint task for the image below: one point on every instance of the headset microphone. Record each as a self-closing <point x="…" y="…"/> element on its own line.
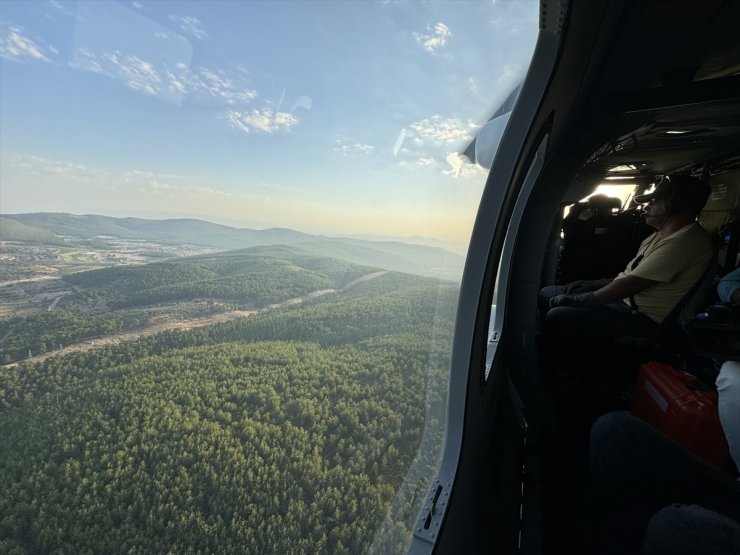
<point x="644" y="215"/>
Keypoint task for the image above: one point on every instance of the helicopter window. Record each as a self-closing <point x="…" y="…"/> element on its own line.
<point x="232" y="238"/>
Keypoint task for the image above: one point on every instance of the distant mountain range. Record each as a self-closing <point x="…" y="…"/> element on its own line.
<point x="60" y="229"/>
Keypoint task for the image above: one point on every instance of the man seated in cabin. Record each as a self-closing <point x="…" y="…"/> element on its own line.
<point x="584" y="314"/>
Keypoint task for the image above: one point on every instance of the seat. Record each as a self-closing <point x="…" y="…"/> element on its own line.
<point x="670" y="337"/>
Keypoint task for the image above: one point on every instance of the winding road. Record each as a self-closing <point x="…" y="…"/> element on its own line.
<point x="211" y="319"/>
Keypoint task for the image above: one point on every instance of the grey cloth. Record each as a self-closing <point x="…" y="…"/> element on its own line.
<point x="691" y="530"/>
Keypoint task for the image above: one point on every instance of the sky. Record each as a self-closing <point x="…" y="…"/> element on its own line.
<point x="336" y="117"/>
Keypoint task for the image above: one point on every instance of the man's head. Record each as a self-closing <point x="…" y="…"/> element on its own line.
<point x="682" y="195"/>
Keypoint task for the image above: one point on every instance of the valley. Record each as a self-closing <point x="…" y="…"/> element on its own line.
<point x="263" y="399"/>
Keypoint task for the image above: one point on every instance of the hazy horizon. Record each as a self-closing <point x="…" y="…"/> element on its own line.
<point x="458" y="247"/>
<point x="343" y="118"/>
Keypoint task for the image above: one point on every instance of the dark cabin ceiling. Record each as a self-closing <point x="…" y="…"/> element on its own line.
<point x="668" y="94"/>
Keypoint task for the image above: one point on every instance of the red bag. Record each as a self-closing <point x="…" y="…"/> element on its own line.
<point x="669" y="400"/>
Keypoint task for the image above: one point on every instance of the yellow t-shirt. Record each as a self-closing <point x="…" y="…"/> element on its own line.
<point x="676" y="262"/>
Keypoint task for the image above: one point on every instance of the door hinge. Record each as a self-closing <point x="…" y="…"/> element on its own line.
<point x="433" y="512"/>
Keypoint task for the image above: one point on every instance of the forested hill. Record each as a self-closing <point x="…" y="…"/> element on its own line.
<point x="392" y="255"/>
<point x="286" y="432"/>
<point x="120" y="299"/>
<point x="193" y="231"/>
<point x="251" y="278"/>
<point x="14" y="230"/>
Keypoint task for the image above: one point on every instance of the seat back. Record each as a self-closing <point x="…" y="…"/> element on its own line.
<point x="699" y="297"/>
<point x="671" y="329"/>
<point x="669" y="336"/>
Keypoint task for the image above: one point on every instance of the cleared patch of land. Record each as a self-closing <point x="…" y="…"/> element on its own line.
<point x="169" y="324"/>
<point x="96" y="343"/>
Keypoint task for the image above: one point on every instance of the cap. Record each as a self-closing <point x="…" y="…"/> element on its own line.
<point x="686" y="192"/>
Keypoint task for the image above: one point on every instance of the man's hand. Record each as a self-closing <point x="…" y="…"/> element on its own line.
<point x="580" y="299"/>
<point x="585" y="285"/>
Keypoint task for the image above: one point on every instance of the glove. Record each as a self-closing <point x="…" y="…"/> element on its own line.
<point x="585" y="285"/>
<point x="580" y="299"/>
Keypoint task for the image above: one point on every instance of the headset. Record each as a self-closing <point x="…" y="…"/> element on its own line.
<point x="675" y="202"/>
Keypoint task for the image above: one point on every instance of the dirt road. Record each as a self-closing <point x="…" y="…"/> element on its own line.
<point x="209" y="320"/>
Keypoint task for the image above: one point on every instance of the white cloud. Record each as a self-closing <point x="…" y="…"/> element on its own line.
<point x="460" y="166"/>
<point x="86" y="60"/>
<point x="37" y="166"/>
<point x="352" y="148"/>
<point x="263" y="119"/>
<point x="138" y="74"/>
<point x="424" y="161"/>
<point x="167" y="82"/>
<point x="137" y="5"/>
<point x="435" y="37"/>
<point x="175" y="84"/>
<point x="60" y="174"/>
<point x="164" y="189"/>
<point x="135" y="176"/>
<point x="161" y="184"/>
<point x="190" y="25"/>
<point x="427" y="144"/>
<point x="58" y="5"/>
<point x="437" y="129"/>
<point x="14" y="45"/>
<point x="219" y="85"/>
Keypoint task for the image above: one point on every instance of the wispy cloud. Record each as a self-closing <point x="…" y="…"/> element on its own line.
<point x="38" y="166"/>
<point x="190" y="25"/>
<point x="15" y="45"/>
<point x="219" y="84"/>
<point x="138" y="74"/>
<point x="425" y="161"/>
<point x="435" y="37"/>
<point x="60" y="7"/>
<point x="165" y="81"/>
<point x="347" y="148"/>
<point x="136" y="176"/>
<point x="61" y="173"/>
<point x="173" y="185"/>
<point x="165" y="189"/>
<point x="437" y="129"/>
<point x="265" y="120"/>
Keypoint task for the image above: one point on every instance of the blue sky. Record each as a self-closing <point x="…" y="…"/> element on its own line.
<point x="333" y="117"/>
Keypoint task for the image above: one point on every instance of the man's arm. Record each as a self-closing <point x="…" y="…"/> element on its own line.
<point x="612" y="292"/>
<point x="621" y="288"/>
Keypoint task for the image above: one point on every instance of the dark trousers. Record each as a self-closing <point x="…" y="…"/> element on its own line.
<point x="588" y="374"/>
<point x="576" y="341"/>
